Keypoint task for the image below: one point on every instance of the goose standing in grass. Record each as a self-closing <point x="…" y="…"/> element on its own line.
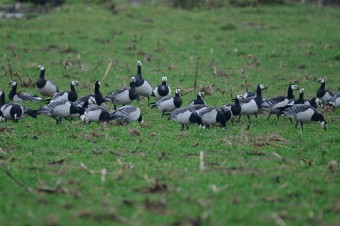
<point x="123" y="96"/>
<point x="45" y="87"/>
<point x="143" y="87"/>
<point x="127" y="114"/>
<point x="14" y="111"/>
<point x="251" y="106"/>
<point x="94" y="113"/>
<point x="198" y="100"/>
<point x="235" y="108"/>
<point x="322" y="93"/>
<point x="162" y="90"/>
<point x="97" y="95"/>
<point x="185" y="116"/>
<point x="168" y="104"/>
<point x="304" y="113"/>
<point x="212" y="116"/>
<point x="21" y="96"/>
<point x="61" y="109"/>
<point x="335" y="101"/>
<point x="71" y="95"/>
<point x="272" y="105"/>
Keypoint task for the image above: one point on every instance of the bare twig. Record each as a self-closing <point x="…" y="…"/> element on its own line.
<point x="202" y="164"/>
<point x="196" y="75"/>
<point x="10" y="70"/>
<point x="19" y="183"/>
<point x="107" y="70"/>
<point x="78" y="60"/>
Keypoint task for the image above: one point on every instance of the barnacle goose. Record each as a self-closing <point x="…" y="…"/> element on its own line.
<point x="97" y="95"/>
<point x="211" y="116"/>
<point x="251" y="106"/>
<point x="198" y="100"/>
<point x="185" y="116"/>
<point x="335" y="101"/>
<point x="272" y="105"/>
<point x="21" y="96"/>
<point x="168" y="104"/>
<point x="162" y="90"/>
<point x="124" y="95"/>
<point x="235" y="108"/>
<point x="322" y="93"/>
<point x="94" y="113"/>
<point x="62" y="109"/>
<point x="45" y="87"/>
<point x="143" y="87"/>
<point x="304" y="113"/>
<point x="14" y="111"/>
<point x="127" y="114"/>
<point x="71" y="95"/>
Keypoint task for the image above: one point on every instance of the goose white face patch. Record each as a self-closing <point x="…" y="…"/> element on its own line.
<point x="41" y="68"/>
<point x="261" y="86"/>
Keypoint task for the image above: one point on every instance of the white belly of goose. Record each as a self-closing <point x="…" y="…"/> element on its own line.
<point x="166" y="105"/>
<point x="304" y="116"/>
<point x="122" y="98"/>
<point x="210" y="117"/>
<point x="249" y="108"/>
<point x="6" y="109"/>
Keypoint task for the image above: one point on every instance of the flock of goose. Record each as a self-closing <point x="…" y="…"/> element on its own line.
<point x="89" y="108"/>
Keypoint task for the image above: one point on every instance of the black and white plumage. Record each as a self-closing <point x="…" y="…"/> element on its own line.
<point x="97" y="95"/>
<point x="301" y="99"/>
<point x="61" y="109"/>
<point x="198" y="99"/>
<point x="127" y="114"/>
<point x="45" y="87"/>
<point x="14" y="111"/>
<point x="235" y="108"/>
<point x="335" y="101"/>
<point x="272" y="105"/>
<point x="162" y="90"/>
<point x="143" y="87"/>
<point x="21" y="96"/>
<point x="322" y="93"/>
<point x="168" y="104"/>
<point x="124" y="95"/>
<point x="185" y="116"/>
<point x="249" y="95"/>
<point x="252" y="105"/>
<point x="304" y="113"/>
<point x="71" y="95"/>
<point x="212" y="116"/>
<point x="94" y="113"/>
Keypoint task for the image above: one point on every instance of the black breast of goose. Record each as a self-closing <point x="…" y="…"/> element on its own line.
<point x="97" y="95"/>
<point x="185" y="116"/>
<point x="162" y="90"/>
<point x="235" y="109"/>
<point x="272" y="105"/>
<point x="21" y="96"/>
<point x="95" y="113"/>
<point x="322" y="93"/>
<point x="304" y="113"/>
<point x="127" y="114"/>
<point x="251" y="106"/>
<point x="198" y="99"/>
<point x="71" y="95"/>
<point x="168" y="104"/>
<point x="143" y="87"/>
<point x="45" y="87"/>
<point x="124" y="95"/>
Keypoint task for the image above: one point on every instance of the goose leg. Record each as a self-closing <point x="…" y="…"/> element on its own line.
<point x="296" y="124"/>
<point x="301" y="123"/>
<point x="269" y="116"/>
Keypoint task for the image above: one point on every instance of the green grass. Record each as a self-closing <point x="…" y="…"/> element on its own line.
<point x="271" y="174"/>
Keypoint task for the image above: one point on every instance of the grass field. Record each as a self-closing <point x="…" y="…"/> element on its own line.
<point x="76" y="174"/>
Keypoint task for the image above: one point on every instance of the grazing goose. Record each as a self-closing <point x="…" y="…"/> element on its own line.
<point x="94" y="113"/>
<point x="97" y="95"/>
<point x="322" y="93"/>
<point x="124" y="95"/>
<point x="143" y="87"/>
<point x="235" y="108"/>
<point x="251" y="106"/>
<point x="272" y="105"/>
<point x="21" y="96"/>
<point x="211" y="116"/>
<point x="162" y="90"/>
<point x="304" y="113"/>
<point x="185" y="116"/>
<point x="315" y="102"/>
<point x="127" y="114"/>
<point x="168" y="104"/>
<point x="13" y="111"/>
<point x="45" y="87"/>
<point x="71" y="95"/>
<point x="61" y="109"/>
<point x="198" y="100"/>
<point x="335" y="101"/>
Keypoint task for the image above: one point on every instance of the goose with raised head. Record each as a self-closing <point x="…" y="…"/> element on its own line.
<point x="168" y="104"/>
<point x="71" y="95"/>
<point x="21" y="96"/>
<point x="162" y="90"/>
<point x="123" y="96"/>
<point x="45" y="87"/>
<point x="143" y="87"/>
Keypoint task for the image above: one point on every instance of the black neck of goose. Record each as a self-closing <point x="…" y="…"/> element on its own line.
<point x="140" y="118"/>
<point x="194" y="118"/>
<point x="139" y="72"/>
<point x="42" y="74"/>
<point x="72" y="88"/>
<point x="132" y="84"/>
<point x="199" y="97"/>
<point x="176" y="94"/>
<point x="312" y="103"/>
<point x="317" y="117"/>
<point x="12" y="92"/>
<point x="163" y="83"/>
<point x="290" y="94"/>
<point x="2" y="99"/>
<point x="322" y="85"/>
<point x="301" y="96"/>
<point x="259" y="92"/>
<point x="96" y="88"/>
